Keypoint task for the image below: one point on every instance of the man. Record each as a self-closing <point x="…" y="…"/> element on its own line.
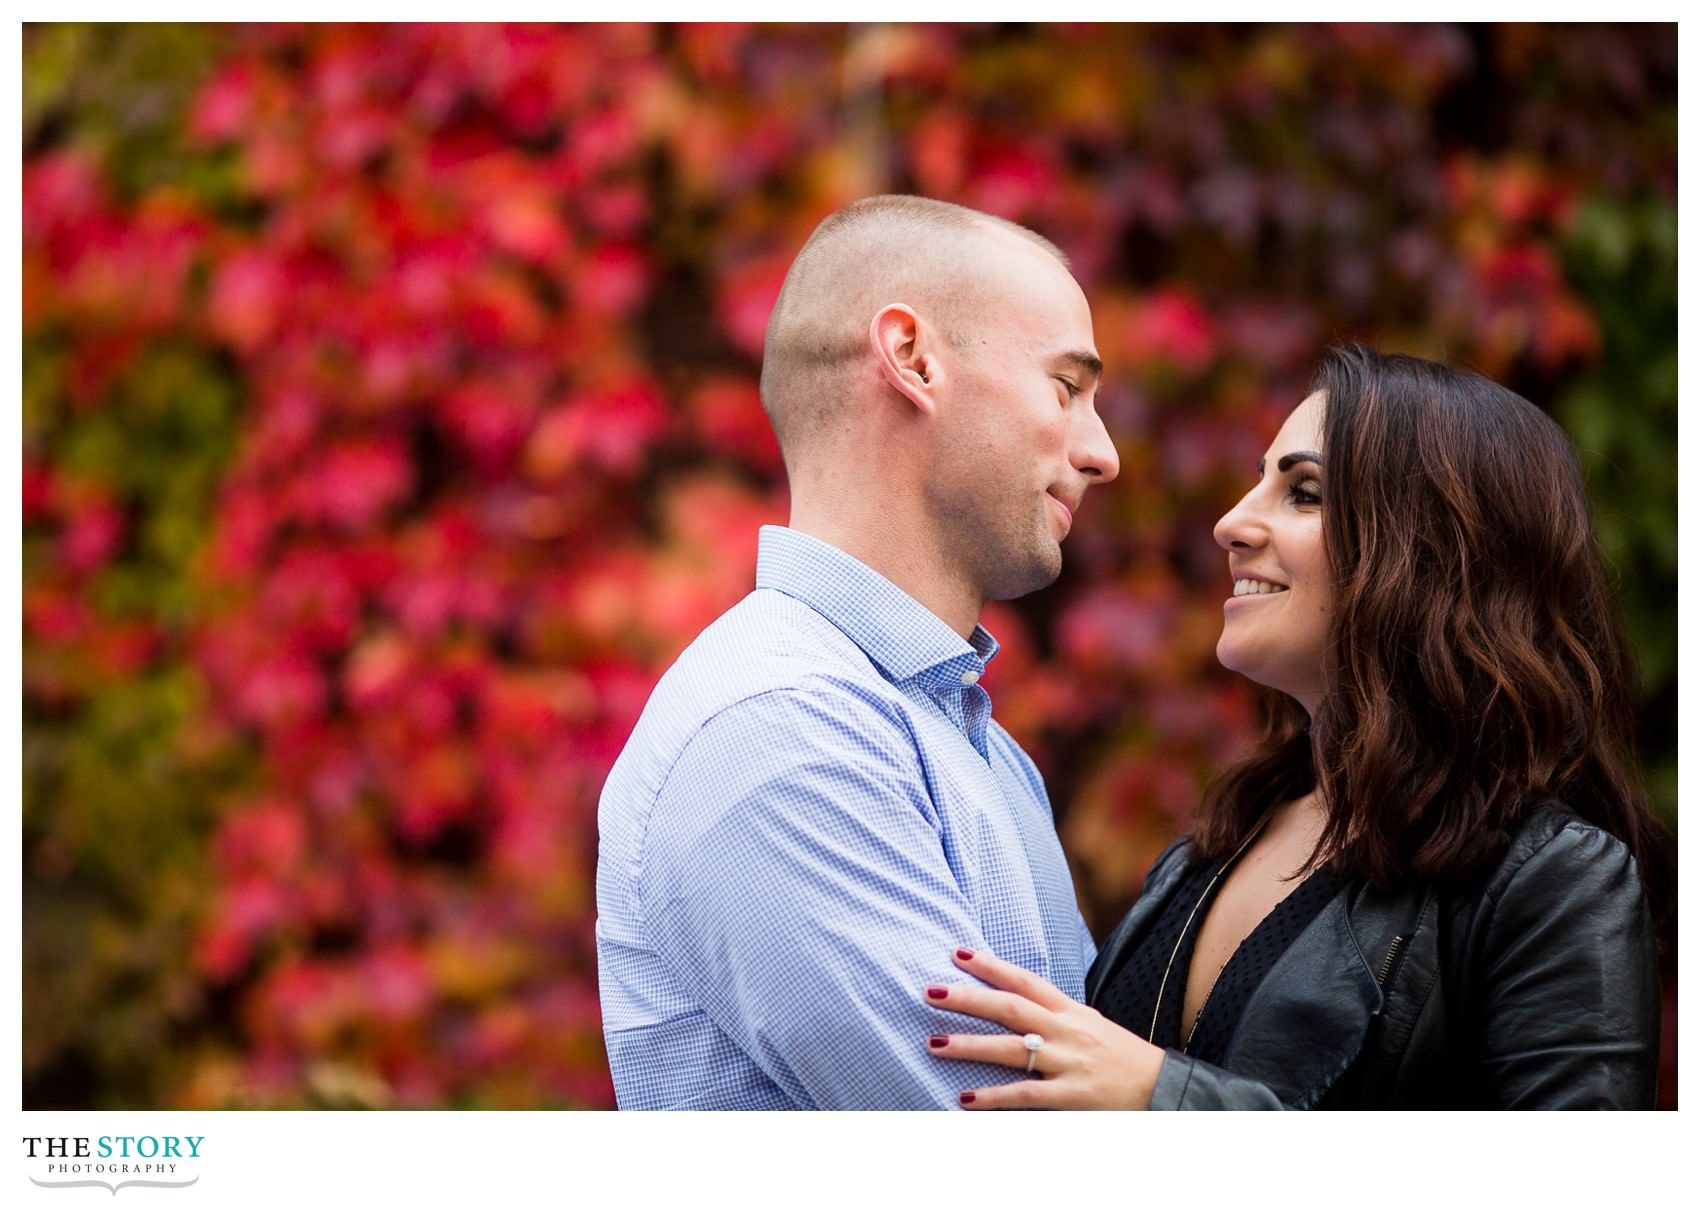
<point x="816" y="806"/>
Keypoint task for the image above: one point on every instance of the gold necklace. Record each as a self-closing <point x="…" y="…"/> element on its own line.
<point x="1180" y="938"/>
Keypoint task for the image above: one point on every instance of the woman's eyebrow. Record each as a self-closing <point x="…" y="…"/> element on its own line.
<point x="1287" y="461"/>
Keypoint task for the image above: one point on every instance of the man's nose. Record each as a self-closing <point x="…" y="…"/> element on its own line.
<point x="1094" y="454"/>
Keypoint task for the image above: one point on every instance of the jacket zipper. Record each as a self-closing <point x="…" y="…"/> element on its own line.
<point x="1390" y="964"/>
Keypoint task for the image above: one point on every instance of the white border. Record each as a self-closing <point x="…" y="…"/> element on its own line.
<point x="265" y="1160"/>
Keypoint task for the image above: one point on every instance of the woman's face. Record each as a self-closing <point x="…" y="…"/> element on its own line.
<point x="1275" y="624"/>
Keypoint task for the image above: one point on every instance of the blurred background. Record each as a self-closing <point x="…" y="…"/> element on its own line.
<point x="390" y="423"/>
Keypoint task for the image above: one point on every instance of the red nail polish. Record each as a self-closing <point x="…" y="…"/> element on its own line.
<point x="962" y="953"/>
<point x="937" y="993"/>
<point x="966" y="1097"/>
<point x="938" y="1041"/>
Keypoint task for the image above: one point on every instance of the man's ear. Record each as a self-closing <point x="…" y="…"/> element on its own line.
<point x="900" y="341"/>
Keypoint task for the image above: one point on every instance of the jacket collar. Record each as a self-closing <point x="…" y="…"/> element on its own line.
<point x="1306" y="1022"/>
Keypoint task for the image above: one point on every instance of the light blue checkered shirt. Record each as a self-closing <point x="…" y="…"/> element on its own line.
<point x="814" y="810"/>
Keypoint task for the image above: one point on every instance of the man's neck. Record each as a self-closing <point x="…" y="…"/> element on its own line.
<point x="902" y="556"/>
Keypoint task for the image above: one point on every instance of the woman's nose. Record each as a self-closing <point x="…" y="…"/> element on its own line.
<point x="1238" y="528"/>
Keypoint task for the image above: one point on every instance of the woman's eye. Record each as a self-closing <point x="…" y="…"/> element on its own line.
<point x="1306" y="492"/>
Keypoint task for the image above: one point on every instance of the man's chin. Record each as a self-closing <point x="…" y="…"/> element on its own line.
<point x="1035" y="575"/>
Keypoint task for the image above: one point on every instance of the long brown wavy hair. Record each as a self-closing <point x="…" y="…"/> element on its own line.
<point x="1477" y="661"/>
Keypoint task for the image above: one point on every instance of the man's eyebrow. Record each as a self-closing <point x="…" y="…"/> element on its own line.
<point x="1090" y="362"/>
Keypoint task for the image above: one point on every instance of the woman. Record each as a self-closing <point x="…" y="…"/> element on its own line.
<point x="1424" y="885"/>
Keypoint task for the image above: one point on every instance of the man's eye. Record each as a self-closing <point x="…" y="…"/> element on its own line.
<point x="1071" y="388"/>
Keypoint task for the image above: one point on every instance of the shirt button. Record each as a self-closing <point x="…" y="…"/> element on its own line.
<point x="970" y="676"/>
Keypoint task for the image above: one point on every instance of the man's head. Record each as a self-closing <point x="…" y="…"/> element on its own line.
<point x="938" y="364"/>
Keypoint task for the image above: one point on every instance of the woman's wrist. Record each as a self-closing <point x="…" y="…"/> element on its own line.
<point x="1147" y="1067"/>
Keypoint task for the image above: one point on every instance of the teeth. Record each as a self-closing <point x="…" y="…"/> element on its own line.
<point x="1243" y="587"/>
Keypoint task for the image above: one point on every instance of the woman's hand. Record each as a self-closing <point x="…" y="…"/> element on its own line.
<point x="1087" y="1062"/>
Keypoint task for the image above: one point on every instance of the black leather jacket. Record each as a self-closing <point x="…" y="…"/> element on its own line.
<point x="1535" y="986"/>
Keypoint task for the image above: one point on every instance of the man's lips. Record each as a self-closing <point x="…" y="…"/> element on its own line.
<point x="1068" y="512"/>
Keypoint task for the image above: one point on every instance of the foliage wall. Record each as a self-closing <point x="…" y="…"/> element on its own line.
<point x="390" y="422"/>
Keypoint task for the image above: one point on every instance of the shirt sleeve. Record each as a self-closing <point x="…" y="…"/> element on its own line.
<point x="795" y="882"/>
<point x="1036" y="785"/>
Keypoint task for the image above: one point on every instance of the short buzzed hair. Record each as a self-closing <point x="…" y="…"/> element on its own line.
<point x="891" y="248"/>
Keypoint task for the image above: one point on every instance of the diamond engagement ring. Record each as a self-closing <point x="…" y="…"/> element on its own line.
<point x="1032" y="1041"/>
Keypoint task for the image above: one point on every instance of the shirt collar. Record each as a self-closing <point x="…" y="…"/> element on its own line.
<point x="901" y="636"/>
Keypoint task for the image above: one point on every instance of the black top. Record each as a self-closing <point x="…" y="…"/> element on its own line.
<point x="1534" y="983"/>
<point x="1130" y="993"/>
